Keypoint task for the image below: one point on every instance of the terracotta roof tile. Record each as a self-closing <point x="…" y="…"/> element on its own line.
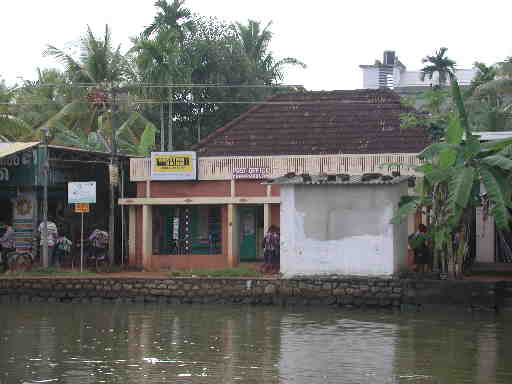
<point x="350" y="122"/>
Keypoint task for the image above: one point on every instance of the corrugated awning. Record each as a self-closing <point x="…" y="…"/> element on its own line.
<point x="7" y="149"/>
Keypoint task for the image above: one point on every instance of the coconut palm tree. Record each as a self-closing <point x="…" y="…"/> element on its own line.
<point x="488" y="97"/>
<point x="440" y="64"/>
<point x="171" y="16"/>
<point x="255" y="42"/>
<point x="12" y="126"/>
<point x="94" y="76"/>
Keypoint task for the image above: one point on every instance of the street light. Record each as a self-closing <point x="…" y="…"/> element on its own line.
<point x="46" y="168"/>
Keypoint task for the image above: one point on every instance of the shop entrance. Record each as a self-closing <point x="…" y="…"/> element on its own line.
<point x="183" y="230"/>
<point x="251" y="233"/>
<point x="6" y="211"/>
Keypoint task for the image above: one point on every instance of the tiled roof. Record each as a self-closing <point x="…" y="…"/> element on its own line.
<point x="368" y="178"/>
<point x="311" y="123"/>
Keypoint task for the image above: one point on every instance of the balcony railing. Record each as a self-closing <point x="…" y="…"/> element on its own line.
<point x="222" y="168"/>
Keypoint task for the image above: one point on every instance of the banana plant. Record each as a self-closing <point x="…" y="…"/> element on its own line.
<point x="455" y="172"/>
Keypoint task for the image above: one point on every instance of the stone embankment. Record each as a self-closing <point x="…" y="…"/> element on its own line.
<point x="396" y="293"/>
<point x="406" y="294"/>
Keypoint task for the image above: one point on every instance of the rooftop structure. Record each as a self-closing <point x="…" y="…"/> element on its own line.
<point x="391" y="73"/>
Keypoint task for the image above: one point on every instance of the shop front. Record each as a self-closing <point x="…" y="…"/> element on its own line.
<point x="188" y="229"/>
<point x="21" y="189"/>
<point x="210" y="208"/>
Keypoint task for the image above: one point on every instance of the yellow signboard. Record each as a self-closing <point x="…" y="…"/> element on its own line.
<point x="173" y="165"/>
<point x="82" y="208"/>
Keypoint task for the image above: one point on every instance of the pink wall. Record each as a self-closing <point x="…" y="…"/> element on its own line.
<point x="206" y="188"/>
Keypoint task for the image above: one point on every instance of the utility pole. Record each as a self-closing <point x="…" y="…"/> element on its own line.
<point x="170" y="145"/>
<point x="162" y="128"/>
<point x="46" y="169"/>
<point x="113" y="179"/>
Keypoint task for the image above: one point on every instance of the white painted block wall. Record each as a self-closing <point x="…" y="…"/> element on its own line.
<point x="323" y="230"/>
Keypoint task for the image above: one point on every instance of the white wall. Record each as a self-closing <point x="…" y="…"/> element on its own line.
<point x="370" y="77"/>
<point x="341" y="229"/>
<point x="485" y="232"/>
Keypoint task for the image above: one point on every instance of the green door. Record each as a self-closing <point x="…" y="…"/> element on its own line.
<point x="248" y="224"/>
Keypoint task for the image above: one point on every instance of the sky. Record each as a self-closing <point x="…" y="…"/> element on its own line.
<point x="332" y="37"/>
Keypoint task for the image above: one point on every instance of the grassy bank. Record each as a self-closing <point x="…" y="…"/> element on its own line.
<point x="223" y="272"/>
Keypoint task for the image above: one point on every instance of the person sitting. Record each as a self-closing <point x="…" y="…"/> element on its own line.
<point x="8" y="244"/>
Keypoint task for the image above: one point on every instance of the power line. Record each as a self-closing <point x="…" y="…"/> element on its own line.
<point x="163" y="85"/>
<point x="323" y="102"/>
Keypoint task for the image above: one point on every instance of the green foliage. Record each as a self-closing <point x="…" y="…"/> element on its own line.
<point x="499" y="160"/>
<point x="452" y="174"/>
<point x="50" y="271"/>
<point x="460" y="188"/>
<point x="178" y="47"/>
<point x="497" y="196"/>
<point x="406" y="206"/>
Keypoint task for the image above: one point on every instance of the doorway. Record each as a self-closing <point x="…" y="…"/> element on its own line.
<point x="250" y="233"/>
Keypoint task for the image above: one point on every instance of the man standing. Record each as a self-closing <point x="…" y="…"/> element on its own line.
<point x="8" y="243"/>
<point x="52" y="237"/>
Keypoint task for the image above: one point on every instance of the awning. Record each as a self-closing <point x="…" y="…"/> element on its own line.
<point x="7" y="149"/>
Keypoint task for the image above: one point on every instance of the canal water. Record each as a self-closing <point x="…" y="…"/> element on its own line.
<point x="98" y="343"/>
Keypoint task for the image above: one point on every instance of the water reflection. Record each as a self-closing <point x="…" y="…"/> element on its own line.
<point x="220" y="344"/>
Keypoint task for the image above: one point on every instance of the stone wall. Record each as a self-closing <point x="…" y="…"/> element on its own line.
<point x="406" y="294"/>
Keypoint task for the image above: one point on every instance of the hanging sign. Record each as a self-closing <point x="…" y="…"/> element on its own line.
<point x="82" y="192"/>
<point x="113" y="171"/>
<point x="174" y="165"/>
<point x="251" y="173"/>
<point x="82" y="208"/>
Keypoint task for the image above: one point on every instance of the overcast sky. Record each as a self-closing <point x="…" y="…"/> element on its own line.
<point x="333" y="37"/>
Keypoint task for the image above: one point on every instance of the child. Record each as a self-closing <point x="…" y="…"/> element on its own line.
<point x="99" y="244"/>
<point x="271" y="250"/>
<point x="419" y="243"/>
<point x="63" y="249"/>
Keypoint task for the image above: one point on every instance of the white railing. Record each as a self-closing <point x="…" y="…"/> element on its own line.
<point x="221" y="168"/>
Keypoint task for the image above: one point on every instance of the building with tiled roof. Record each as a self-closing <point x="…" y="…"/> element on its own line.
<point x="318" y="123"/>
<point x="213" y="210"/>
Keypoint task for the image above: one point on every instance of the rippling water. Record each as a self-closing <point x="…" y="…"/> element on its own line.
<point x="68" y="343"/>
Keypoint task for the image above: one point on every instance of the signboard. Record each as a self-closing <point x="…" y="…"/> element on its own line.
<point x="82" y="192"/>
<point x="82" y="208"/>
<point x="251" y="173"/>
<point x="18" y="169"/>
<point x="173" y="165"/>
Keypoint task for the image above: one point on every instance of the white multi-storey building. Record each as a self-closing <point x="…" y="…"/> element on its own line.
<point x="392" y="74"/>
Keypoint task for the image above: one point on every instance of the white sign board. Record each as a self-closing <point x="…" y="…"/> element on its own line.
<point x="82" y="192"/>
<point x="180" y="165"/>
